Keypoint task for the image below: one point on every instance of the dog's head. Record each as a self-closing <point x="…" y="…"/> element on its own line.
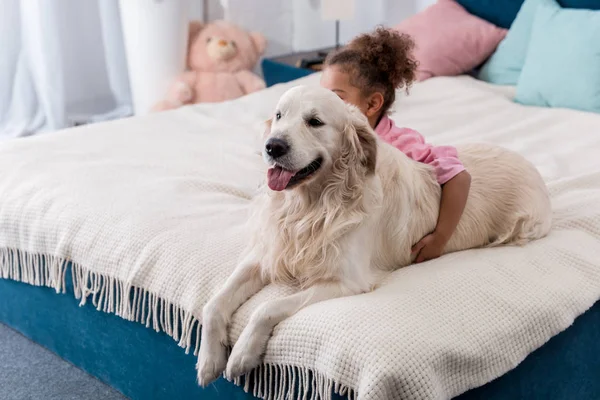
<point x="313" y="134"/>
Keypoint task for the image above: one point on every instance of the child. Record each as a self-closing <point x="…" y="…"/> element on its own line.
<point x="367" y="73"/>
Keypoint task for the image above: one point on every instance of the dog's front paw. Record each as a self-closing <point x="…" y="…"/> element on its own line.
<point x="211" y="363"/>
<point x="212" y="359"/>
<point x="247" y="353"/>
<point x="241" y="362"/>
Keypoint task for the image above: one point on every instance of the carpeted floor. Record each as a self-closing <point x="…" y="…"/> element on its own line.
<point x="30" y="372"/>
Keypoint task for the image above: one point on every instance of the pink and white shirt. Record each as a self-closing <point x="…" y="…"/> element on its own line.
<point x="444" y="159"/>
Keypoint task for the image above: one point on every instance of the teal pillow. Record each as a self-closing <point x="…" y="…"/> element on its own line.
<point x="562" y="67"/>
<point x="504" y="66"/>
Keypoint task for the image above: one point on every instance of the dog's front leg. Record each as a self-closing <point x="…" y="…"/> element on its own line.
<point x="252" y="343"/>
<point x="244" y="282"/>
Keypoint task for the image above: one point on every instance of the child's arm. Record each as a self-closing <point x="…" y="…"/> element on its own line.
<point x="451" y="175"/>
<point x="452" y="205"/>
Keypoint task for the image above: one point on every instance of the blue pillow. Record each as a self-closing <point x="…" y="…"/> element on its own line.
<point x="562" y="67"/>
<point x="504" y="66"/>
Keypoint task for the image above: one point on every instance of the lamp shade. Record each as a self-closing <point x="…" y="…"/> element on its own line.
<point x="333" y="10"/>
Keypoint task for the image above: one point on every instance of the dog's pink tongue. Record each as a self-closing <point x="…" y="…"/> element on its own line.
<point x="278" y="178"/>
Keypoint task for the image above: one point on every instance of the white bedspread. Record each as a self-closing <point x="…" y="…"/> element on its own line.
<point x="157" y="205"/>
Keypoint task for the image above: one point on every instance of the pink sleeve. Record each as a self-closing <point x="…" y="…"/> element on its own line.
<point x="444" y="159"/>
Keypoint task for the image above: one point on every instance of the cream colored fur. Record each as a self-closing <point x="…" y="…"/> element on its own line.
<point x="341" y="231"/>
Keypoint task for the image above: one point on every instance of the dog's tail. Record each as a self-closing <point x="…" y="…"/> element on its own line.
<point x="526" y="227"/>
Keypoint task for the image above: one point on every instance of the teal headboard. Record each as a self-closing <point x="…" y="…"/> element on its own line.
<point x="503" y="12"/>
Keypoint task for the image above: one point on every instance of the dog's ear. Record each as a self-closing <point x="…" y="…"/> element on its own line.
<point x="368" y="143"/>
<point x="364" y="138"/>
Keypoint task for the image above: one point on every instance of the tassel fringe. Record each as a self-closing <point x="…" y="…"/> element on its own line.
<point x="110" y="295"/>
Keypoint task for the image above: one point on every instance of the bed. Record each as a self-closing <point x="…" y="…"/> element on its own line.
<point x="63" y="212"/>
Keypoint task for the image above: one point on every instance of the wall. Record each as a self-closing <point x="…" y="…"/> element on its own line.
<point x="422" y="4"/>
<point x="296" y="25"/>
<point x="215" y="11"/>
<point x="310" y="32"/>
<point x="273" y="18"/>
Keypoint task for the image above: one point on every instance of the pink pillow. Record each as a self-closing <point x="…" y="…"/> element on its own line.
<point x="450" y="41"/>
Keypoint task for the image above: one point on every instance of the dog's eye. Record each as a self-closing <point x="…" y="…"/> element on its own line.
<point x="277" y="115"/>
<point x="315" y="122"/>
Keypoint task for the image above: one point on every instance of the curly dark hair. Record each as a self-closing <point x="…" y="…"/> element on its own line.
<point x="378" y="61"/>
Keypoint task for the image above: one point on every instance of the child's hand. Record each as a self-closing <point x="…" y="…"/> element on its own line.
<point x="454" y="199"/>
<point x="430" y="247"/>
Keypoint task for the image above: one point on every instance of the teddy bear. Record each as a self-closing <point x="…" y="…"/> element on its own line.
<point x="220" y="60"/>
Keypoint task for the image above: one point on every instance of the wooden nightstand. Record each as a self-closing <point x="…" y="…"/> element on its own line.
<point x="288" y="67"/>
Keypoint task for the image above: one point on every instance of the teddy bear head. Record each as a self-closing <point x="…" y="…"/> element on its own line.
<point x="221" y="46"/>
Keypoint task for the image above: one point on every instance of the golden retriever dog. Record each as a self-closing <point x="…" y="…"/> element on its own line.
<point x="343" y="209"/>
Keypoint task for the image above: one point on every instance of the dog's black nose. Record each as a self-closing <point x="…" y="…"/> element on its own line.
<point x="276" y="147"/>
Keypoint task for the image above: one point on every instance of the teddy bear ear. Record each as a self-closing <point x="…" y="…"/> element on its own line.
<point x="194" y="30"/>
<point x="260" y="42"/>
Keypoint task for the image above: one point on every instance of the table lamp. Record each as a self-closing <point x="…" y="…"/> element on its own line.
<point x="331" y="10"/>
<point x="337" y="10"/>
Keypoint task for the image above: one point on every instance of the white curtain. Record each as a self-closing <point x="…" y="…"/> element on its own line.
<point x="62" y="62"/>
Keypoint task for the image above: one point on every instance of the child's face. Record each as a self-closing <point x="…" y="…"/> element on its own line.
<point x="339" y="82"/>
